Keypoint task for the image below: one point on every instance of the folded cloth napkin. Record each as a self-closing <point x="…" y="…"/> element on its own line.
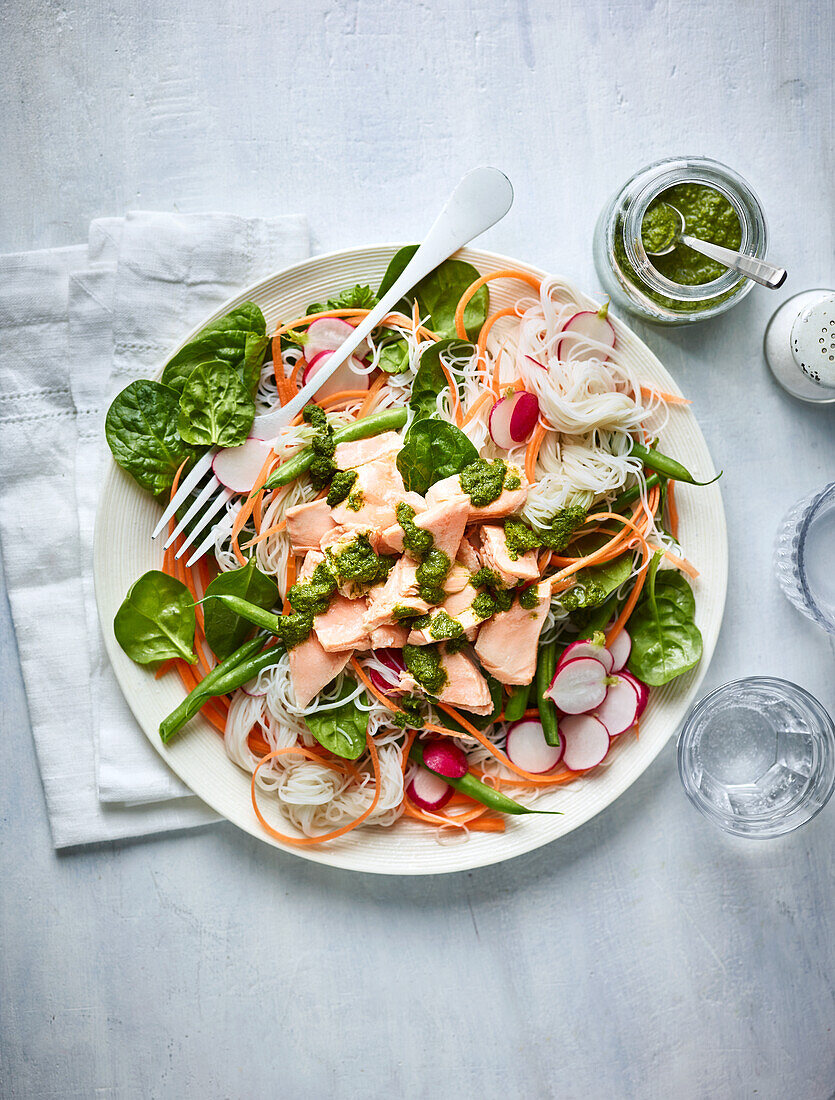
<point x="76" y="325"/>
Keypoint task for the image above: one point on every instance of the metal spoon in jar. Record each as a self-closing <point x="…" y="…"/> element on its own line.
<point x="761" y="272"/>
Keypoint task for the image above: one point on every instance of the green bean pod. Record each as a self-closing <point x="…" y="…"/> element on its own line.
<point x="546" y="664"/>
<point x="517" y="702"/>
<point x="480" y="792"/>
<point x="389" y="420"/>
<point x="249" y="611"/>
<point x="667" y="466"/>
<point x="629" y="496"/>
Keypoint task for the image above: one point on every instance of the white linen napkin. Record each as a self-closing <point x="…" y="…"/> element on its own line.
<point x="67" y="316"/>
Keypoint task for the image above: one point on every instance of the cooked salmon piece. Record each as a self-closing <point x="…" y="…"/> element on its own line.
<point x="509" y="500"/>
<point x="335" y="542"/>
<point x="445" y="521"/>
<point x="399" y="591"/>
<point x="391" y="636"/>
<point x="312" y="668"/>
<point x="465" y="687"/>
<point x="307" y="524"/>
<point x="468" y="556"/>
<point x="495" y="555"/>
<point x="456" y="579"/>
<point x="311" y="559"/>
<point x="507" y="643"/>
<point x="341" y="626"/>
<point x="378" y="489"/>
<point x="348" y="456"/>
<point x="459" y="606"/>
<point x="391" y="540"/>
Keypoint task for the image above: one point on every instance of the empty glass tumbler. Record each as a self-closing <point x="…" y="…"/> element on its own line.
<point x="804" y="556"/>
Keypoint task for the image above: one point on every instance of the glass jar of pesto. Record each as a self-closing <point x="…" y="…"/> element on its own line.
<point x="681" y="286"/>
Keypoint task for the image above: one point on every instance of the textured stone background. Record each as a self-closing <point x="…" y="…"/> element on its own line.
<point x="644" y="956"/>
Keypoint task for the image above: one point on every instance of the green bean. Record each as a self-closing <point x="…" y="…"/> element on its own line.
<point x="478" y="791"/>
<point x="517" y="702"/>
<point x="236" y="670"/>
<point x="249" y="611"/>
<point x="389" y="420"/>
<point x="629" y="496"/>
<point x="599" y="618"/>
<point x="667" y="466"/>
<point x="546" y="664"/>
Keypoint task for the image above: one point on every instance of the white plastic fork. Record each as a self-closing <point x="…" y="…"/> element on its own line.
<point x="481" y="199"/>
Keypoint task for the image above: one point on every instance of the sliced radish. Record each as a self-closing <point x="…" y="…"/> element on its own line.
<point x="512" y="419"/>
<point x="236" y="468"/>
<point x="536" y="363"/>
<point x="528" y="749"/>
<point x="586" y="742"/>
<point x="349" y="375"/>
<point x="619" y="710"/>
<point x="446" y="758"/>
<point x="249" y="689"/>
<point x="388" y="682"/>
<point x="642" y="690"/>
<point x="588" y="326"/>
<point x="328" y="334"/>
<point x="429" y="791"/>
<point x="579" y="686"/>
<point x="588" y="649"/>
<point x="620" y="649"/>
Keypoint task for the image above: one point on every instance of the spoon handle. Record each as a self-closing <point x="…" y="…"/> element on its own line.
<point x="761" y="272"/>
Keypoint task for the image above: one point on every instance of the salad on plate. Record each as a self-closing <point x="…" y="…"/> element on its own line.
<point x="448" y="587"/>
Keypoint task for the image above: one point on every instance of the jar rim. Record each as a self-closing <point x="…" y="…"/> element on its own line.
<point x="712" y="174"/>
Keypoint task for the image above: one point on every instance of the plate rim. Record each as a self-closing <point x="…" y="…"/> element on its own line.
<point x="342" y="858"/>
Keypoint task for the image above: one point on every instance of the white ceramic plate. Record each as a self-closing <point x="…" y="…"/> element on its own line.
<point x="124" y="551"/>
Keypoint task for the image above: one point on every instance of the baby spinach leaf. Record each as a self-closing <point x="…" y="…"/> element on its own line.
<point x="215" y="407"/>
<point x="255" y="350"/>
<point x="356" y="297"/>
<point x="433" y="450"/>
<point x="596" y="583"/>
<point x="665" y="640"/>
<point x="394" y="356"/>
<point x="224" y="339"/>
<point x="225" y="630"/>
<point x="156" y="620"/>
<point x="430" y="379"/>
<point x="438" y="293"/>
<point x="341" y="730"/>
<point x="141" y="431"/>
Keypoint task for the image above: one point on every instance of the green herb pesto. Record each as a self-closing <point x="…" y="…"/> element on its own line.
<point x="358" y="562"/>
<point x="484" y="605"/>
<point x="322" y="469"/>
<point x="421" y="623"/>
<point x="417" y="541"/>
<point x="411" y="716"/>
<point x="294" y="629"/>
<point x="557" y="535"/>
<point x="483" y="481"/>
<point x="583" y="595"/>
<point x="355" y="500"/>
<point x="512" y="482"/>
<point x="402" y="611"/>
<point x="341" y="486"/>
<point x="529" y="599"/>
<point x="443" y="626"/>
<point x="486" y="578"/>
<point x="455" y="645"/>
<point x="313" y="597"/>
<point x="659" y="227"/>
<point x="519" y="538"/>
<point x="424" y="664"/>
<point x="708" y="215"/>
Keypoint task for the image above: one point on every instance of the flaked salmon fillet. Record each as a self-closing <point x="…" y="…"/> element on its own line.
<point x="399" y="591"/>
<point x="495" y="555"/>
<point x="465" y="686"/>
<point x="341" y="626"/>
<point x="308" y="524"/>
<point x="508" y="501"/>
<point x="507" y="644"/>
<point x="312" y="668"/>
<point x="348" y="456"/>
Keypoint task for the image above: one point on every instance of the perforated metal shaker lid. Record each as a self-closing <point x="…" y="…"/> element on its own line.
<point x="813" y="341"/>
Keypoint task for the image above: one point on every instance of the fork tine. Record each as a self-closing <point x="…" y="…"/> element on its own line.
<point x="214" y="507"/>
<point x="184" y="489"/>
<point x="207" y="542"/>
<point x="206" y="492"/>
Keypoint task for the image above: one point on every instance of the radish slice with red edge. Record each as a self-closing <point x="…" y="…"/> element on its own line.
<point x="445" y="758"/>
<point x="586" y="742"/>
<point x="619" y="710"/>
<point x="578" y="686"/>
<point x="588" y="649"/>
<point x="512" y="419"/>
<point x="388" y="682"/>
<point x="350" y="375"/>
<point x="642" y="690"/>
<point x="236" y="468"/>
<point x="428" y="791"/>
<point x="620" y="649"/>
<point x="328" y="334"/>
<point x="528" y="749"/>
<point x="587" y="326"/>
<point x="249" y="689"/>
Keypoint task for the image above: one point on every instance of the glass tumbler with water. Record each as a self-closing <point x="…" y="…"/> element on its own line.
<point x="804" y="556"/>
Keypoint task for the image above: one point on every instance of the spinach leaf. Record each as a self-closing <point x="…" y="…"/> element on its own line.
<point x="224" y="339"/>
<point x="355" y="297"/>
<point x="255" y="351"/>
<point x="433" y="450"/>
<point x="394" y="356"/>
<point x="430" y="379"/>
<point x="141" y="431"/>
<point x="597" y="582"/>
<point x="665" y="640"/>
<point x="215" y="407"/>
<point x="225" y="630"/>
<point x="156" y="620"/>
<point x="341" y="730"/>
<point x="438" y="293"/>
